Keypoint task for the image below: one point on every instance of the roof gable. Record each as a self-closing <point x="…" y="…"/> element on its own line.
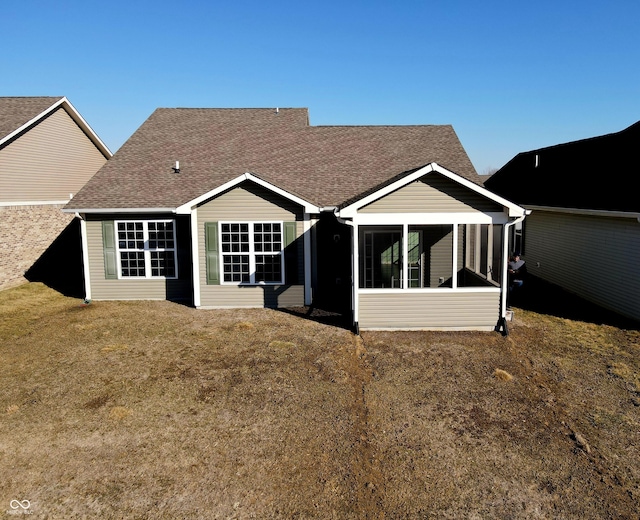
<point x="389" y="188"/>
<point x="591" y="174"/>
<point x="247" y="177"/>
<point x="324" y="165"/>
<point x="19" y="114"/>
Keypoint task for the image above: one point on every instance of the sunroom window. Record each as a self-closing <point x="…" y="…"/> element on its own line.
<point x="429" y="257"/>
<point x="252" y="252"/>
<point x="146" y="248"/>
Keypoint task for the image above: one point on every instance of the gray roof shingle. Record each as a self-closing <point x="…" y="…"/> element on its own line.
<point x="325" y="165"/>
<point x="16" y="111"/>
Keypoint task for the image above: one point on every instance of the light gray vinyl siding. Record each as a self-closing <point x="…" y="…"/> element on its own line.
<point x="48" y="162"/>
<point x="440" y="254"/>
<point x="138" y="289"/>
<point x="432" y="193"/>
<point x="432" y="310"/>
<point x="250" y="202"/>
<point x="593" y="257"/>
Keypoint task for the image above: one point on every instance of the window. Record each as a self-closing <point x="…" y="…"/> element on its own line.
<point x="382" y="258"/>
<point x="146" y="248"/>
<point x="252" y="252"/>
<point x="428" y="263"/>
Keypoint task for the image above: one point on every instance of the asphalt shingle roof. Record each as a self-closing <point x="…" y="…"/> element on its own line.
<point x="599" y="173"/>
<point x="16" y="111"/>
<point x="325" y="165"/>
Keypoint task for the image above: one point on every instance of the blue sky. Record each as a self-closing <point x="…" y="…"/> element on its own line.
<point x="509" y="76"/>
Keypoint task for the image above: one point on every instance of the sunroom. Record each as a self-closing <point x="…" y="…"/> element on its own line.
<point x="429" y="253"/>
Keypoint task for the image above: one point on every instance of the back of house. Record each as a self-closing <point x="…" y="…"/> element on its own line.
<point x="227" y="208"/>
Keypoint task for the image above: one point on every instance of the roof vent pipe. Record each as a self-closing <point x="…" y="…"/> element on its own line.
<point x="277" y="110"/>
<point x="537" y="161"/>
<point x="176" y="168"/>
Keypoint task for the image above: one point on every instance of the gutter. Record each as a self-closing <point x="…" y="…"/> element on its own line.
<point x="588" y="212"/>
<point x="502" y="322"/>
<point x="119" y="210"/>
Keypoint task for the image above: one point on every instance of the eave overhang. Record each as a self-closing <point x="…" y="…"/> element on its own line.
<point x="588" y="212"/>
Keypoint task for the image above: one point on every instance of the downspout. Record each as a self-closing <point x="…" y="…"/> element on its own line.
<point x="502" y="323"/>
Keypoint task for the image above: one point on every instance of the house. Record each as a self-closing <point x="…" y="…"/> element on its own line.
<point x="226" y="208"/>
<point x="584" y="230"/>
<point x="47" y="153"/>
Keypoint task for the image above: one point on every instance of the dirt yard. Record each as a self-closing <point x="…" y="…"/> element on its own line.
<point x="155" y="410"/>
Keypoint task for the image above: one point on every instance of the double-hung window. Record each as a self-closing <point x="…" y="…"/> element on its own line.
<point x="146" y="248"/>
<point x="252" y="252"/>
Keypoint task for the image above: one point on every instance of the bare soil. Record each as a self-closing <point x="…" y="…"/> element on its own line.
<point x="155" y="410"/>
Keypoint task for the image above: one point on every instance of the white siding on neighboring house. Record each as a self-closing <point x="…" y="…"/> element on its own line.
<point x="249" y="203"/>
<point x="593" y="257"/>
<point x="48" y="162"/>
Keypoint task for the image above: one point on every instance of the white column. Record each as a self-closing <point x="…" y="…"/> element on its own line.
<point x="195" y="257"/>
<point x="85" y="257"/>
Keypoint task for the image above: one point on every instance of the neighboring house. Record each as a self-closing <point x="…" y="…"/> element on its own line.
<point x="584" y="230"/>
<point x="47" y="153"/>
<point x="225" y="208"/>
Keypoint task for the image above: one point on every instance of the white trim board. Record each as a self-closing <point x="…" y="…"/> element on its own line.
<point x="187" y="207"/>
<point x="74" y="114"/>
<point x="350" y="211"/>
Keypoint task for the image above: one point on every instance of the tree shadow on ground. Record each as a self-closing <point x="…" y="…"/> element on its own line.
<point x="540" y="296"/>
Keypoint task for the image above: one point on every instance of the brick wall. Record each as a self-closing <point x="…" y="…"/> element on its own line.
<point x="25" y="234"/>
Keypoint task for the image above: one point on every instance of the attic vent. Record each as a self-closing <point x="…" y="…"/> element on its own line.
<point x="537" y="163"/>
<point x="176" y="168"/>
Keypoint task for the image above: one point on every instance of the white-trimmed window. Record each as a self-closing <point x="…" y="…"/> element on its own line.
<point x="146" y="248"/>
<point x="424" y="252"/>
<point x="252" y="252"/>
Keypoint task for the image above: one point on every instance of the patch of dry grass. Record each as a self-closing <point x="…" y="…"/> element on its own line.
<point x="503" y="375"/>
<point x="155" y="410"/>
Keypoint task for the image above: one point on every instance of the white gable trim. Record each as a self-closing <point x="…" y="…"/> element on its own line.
<point x="186" y="208"/>
<point x="351" y="210"/>
<point x="74" y="114"/>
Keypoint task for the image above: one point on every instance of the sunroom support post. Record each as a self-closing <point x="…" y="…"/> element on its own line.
<point x="307" y="259"/>
<point x="454" y="256"/>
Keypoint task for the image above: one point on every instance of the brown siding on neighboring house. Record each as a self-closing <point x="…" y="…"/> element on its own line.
<point x="48" y="162"/>
<point x="429" y="310"/>
<point x="249" y="202"/>
<point x="433" y="193"/>
<point x="593" y="257"/>
<point x="25" y="234"/>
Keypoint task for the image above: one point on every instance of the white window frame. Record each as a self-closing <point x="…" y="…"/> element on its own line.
<point x="252" y="253"/>
<point x="404" y="282"/>
<point x="146" y="249"/>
